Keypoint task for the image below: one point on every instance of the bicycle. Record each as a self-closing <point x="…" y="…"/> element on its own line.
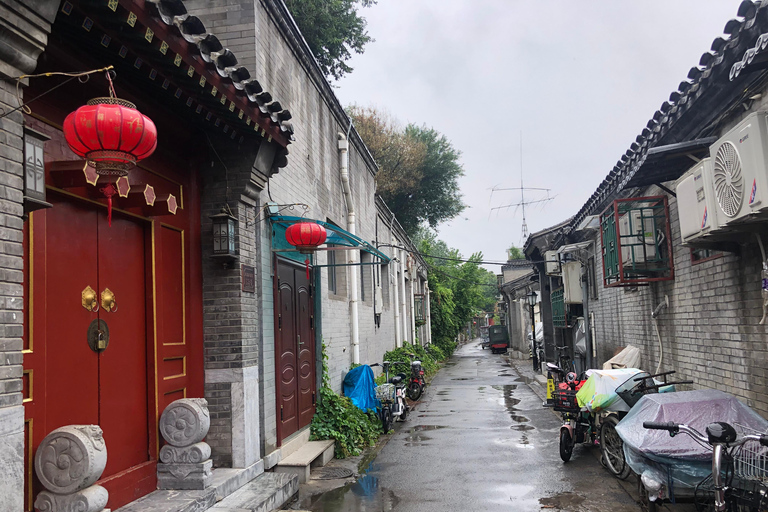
<point x="739" y="465"/>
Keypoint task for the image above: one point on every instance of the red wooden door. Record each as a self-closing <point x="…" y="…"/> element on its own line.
<point x="295" y="349"/>
<point x="74" y="248"/>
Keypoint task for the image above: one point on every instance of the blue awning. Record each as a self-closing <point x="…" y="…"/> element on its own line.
<point x="335" y="236"/>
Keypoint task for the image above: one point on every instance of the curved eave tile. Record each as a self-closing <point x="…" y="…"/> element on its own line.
<point x="753" y="14"/>
<point x="192" y="29"/>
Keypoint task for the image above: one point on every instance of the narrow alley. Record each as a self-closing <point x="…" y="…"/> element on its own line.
<point x="479" y="440"/>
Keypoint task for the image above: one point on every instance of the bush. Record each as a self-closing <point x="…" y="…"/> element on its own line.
<point x="336" y="417"/>
<point x="447" y="345"/>
<point x="428" y="361"/>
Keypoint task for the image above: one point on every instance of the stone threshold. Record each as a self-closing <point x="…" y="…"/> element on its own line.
<point x="224" y="482"/>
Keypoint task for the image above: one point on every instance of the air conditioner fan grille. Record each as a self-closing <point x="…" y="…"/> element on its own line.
<point x="728" y="179"/>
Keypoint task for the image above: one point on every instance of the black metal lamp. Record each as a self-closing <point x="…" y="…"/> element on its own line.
<point x="224" y="237"/>
<point x="34" y="171"/>
<point x="531" y="298"/>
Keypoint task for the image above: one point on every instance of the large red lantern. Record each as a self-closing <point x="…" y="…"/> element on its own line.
<point x="110" y="133"/>
<point x="305" y="236"/>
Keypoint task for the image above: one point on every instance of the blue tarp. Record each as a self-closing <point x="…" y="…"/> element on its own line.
<point x="360" y="387"/>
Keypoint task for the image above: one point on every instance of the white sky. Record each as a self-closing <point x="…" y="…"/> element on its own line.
<point x="579" y="80"/>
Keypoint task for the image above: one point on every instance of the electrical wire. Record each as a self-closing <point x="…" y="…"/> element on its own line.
<point x="462" y="260"/>
<point x="73" y="75"/>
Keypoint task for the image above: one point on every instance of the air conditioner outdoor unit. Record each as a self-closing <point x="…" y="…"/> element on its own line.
<point x="740" y="170"/>
<point x="697" y="206"/>
<point x="638" y="237"/>
<point x="572" y="283"/>
<point x="552" y="259"/>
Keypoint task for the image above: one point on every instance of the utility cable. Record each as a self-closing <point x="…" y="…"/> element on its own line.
<point x="25" y="106"/>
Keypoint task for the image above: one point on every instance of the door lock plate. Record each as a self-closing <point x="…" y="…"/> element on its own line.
<point x="98" y="335"/>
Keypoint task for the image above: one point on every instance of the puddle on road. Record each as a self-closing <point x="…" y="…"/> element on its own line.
<point x="562" y="501"/>
<point x="522" y="428"/>
<point x="364" y="494"/>
<point x="462" y="378"/>
<point x="510" y="402"/>
<point x="415" y="436"/>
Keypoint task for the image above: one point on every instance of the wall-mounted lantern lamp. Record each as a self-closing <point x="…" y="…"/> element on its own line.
<point x="224" y="237"/>
<point x="34" y="171"/>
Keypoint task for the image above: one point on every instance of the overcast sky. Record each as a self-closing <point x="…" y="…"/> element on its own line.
<point x="578" y="79"/>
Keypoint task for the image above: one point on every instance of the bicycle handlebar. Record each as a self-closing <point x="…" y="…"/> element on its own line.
<point x="672" y="428"/>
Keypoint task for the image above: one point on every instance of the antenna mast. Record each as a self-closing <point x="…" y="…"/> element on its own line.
<point x="522" y="189"/>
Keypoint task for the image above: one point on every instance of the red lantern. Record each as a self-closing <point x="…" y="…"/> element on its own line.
<point x="305" y="236"/>
<point x="112" y="134"/>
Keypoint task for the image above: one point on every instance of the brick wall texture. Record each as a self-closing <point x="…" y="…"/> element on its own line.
<point x="240" y="330"/>
<point x="710" y="332"/>
<point x="11" y="250"/>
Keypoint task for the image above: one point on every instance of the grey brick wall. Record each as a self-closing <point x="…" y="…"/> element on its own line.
<point x="312" y="177"/>
<point x="710" y="332"/>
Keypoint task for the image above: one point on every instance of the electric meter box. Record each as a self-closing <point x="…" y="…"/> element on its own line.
<point x="552" y="259"/>
<point x="572" y="283"/>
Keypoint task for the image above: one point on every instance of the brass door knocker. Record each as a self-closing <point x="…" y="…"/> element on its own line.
<point x="108" y="301"/>
<point x="89" y="299"/>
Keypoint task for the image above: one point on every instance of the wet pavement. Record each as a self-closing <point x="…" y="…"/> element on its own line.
<point x="478" y="440"/>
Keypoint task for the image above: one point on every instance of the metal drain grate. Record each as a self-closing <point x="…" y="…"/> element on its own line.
<point x="331" y="473"/>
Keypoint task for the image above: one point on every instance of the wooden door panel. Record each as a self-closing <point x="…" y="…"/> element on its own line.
<point x="70" y="264"/>
<point x="286" y="339"/>
<point x="306" y="353"/>
<point x="123" y="413"/>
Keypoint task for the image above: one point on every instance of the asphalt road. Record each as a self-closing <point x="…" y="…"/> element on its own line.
<point x="479" y="440"/>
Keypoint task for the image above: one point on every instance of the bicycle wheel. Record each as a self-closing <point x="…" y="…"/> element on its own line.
<point x="386" y="418"/>
<point x="612" y="448"/>
<point x="414" y="391"/>
<point x="646" y="505"/>
<point x="566" y="445"/>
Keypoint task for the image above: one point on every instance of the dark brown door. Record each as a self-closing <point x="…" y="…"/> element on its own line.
<point x="295" y="348"/>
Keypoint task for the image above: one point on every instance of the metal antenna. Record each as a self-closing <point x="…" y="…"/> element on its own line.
<point x="522" y="188"/>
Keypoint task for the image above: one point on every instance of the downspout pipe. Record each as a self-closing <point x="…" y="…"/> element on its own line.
<point x="396" y="296"/>
<point x="404" y="313"/>
<point x="428" y="312"/>
<point x="352" y="255"/>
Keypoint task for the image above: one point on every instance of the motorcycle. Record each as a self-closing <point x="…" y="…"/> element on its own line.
<point x="391" y="394"/>
<point x="578" y="426"/>
<point x="416" y="381"/>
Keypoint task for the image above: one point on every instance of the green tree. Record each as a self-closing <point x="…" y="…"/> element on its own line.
<point x="418" y="169"/>
<point x="515" y="253"/>
<point x="333" y="29"/>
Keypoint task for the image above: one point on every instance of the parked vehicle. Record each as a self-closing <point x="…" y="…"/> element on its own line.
<point x="391" y="394"/>
<point x="486" y="342"/>
<point x="416" y="382"/>
<point x="680" y="469"/>
<point x="578" y="425"/>
<point x="499" y="338"/>
<point x="629" y="393"/>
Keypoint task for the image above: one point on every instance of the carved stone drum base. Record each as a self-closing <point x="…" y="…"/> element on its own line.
<point x="193" y="476"/>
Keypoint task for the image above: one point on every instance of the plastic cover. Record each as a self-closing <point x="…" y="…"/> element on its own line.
<point x="599" y="392"/>
<point x="680" y="459"/>
<point x="627" y="358"/>
<point x="360" y="387"/>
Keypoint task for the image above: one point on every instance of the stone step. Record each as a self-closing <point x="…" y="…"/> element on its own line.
<point x="294" y="443"/>
<point x="267" y="492"/>
<point x="311" y="455"/>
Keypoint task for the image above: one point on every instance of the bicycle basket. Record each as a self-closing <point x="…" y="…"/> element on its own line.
<point x="750" y="460"/>
<point x="385" y="392"/>
<point x="565" y="400"/>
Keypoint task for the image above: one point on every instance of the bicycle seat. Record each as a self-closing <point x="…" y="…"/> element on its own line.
<point x="397" y="379"/>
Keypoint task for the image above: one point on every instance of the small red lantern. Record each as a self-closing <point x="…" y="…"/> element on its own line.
<point x="112" y="134"/>
<point x="306" y="237"/>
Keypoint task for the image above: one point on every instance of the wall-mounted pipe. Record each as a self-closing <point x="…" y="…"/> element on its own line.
<point x="396" y="295"/>
<point x="352" y="254"/>
<point x="404" y="313"/>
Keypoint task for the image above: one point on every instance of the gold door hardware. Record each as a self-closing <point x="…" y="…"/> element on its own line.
<point x="108" y="301"/>
<point x="89" y="299"/>
<point x="98" y="335"/>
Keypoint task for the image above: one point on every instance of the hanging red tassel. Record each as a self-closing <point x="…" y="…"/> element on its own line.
<point x="108" y="192"/>
<point x="306" y="262"/>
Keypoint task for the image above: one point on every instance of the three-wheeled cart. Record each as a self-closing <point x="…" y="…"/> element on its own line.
<point x="499" y="339"/>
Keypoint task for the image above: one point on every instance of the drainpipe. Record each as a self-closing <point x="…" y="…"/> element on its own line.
<point x="589" y="362"/>
<point x="414" y="276"/>
<point x="352" y="253"/>
<point x="404" y="313"/>
<point x="427" y="313"/>
<point x="396" y="295"/>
